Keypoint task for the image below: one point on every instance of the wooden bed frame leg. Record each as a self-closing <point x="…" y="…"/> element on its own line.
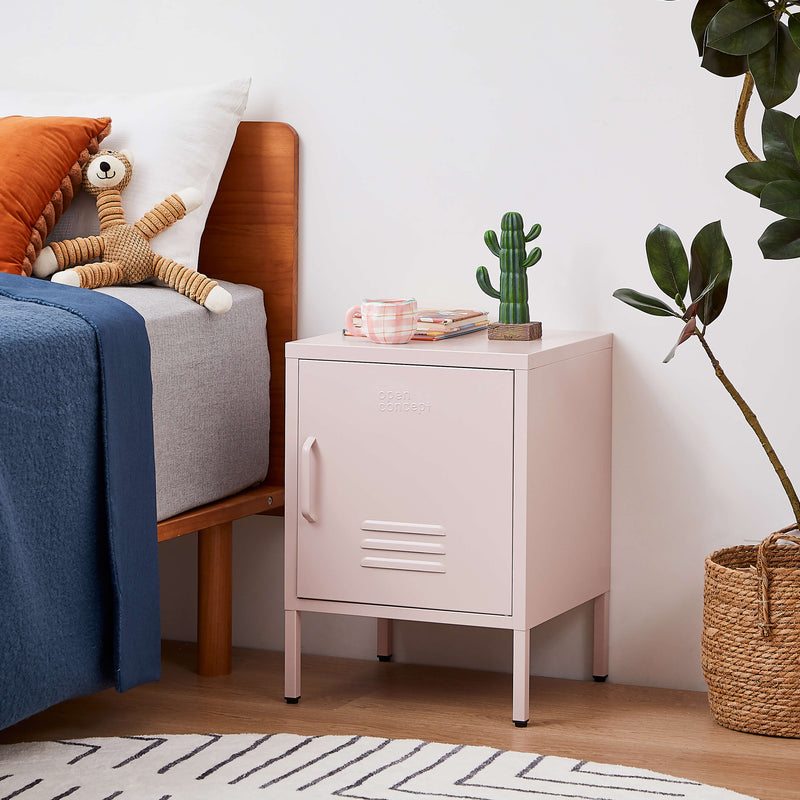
<point x="214" y="599"/>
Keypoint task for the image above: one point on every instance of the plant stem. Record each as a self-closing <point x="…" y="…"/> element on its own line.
<point x="756" y="426"/>
<point x="741" y="113"/>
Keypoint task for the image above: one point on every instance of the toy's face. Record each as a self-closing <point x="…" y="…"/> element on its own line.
<point x="109" y="169"/>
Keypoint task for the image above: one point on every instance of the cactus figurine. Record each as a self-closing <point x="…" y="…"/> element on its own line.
<point x="514" y="262"/>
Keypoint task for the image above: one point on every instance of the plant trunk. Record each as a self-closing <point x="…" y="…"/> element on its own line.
<point x="756" y="426"/>
<point x="741" y="113"/>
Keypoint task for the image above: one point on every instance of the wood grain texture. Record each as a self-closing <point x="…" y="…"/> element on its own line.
<point x="214" y="599"/>
<point x="256" y="500"/>
<point x="661" y="729"/>
<point x="251" y="237"/>
<point x="515" y="331"/>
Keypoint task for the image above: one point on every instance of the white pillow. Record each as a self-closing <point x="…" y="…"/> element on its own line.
<point x="180" y="138"/>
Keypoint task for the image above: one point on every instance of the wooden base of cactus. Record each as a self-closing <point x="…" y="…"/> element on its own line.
<point x="515" y="331"/>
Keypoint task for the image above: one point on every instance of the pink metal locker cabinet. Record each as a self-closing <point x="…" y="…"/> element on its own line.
<point x="464" y="481"/>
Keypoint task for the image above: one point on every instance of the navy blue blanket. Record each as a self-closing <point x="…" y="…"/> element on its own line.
<point x="79" y="605"/>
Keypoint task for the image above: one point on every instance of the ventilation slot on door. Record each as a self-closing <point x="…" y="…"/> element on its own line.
<point x="420" y="544"/>
<point x="403" y="563"/>
<point x="402" y="546"/>
<point x="388" y="526"/>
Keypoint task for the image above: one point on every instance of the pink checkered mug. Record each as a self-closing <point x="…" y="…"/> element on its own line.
<point x="384" y="321"/>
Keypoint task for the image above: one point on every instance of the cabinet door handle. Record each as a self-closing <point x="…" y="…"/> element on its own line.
<point x="306" y="495"/>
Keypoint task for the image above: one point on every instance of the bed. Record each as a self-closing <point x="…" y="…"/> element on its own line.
<point x="249" y="242"/>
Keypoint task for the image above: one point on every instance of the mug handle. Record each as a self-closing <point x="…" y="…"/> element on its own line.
<point x="348" y="321"/>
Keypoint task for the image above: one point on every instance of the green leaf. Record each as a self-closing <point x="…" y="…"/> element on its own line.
<point x="713" y="60"/>
<point x="741" y="27"/>
<point x="796" y="139"/>
<point x="669" y="265"/>
<point x="794" y="29"/>
<point x="781" y="240"/>
<point x="646" y="303"/>
<point x="753" y="176"/>
<point x="695" y="305"/>
<point x="775" y="68"/>
<point x="782" y="197"/>
<point x="777" y="129"/>
<point x="722" y="64"/>
<point x="710" y="261"/>
<point x="703" y="13"/>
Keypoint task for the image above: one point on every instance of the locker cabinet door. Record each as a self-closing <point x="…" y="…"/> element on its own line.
<point x="405" y="486"/>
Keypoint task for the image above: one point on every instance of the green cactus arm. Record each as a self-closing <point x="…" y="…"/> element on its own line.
<point x="533" y="233"/>
<point x="533" y="257"/>
<point x="490" y="237"/>
<point x="482" y="274"/>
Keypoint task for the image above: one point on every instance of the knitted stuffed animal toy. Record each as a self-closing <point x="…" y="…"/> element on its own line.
<point x="124" y="250"/>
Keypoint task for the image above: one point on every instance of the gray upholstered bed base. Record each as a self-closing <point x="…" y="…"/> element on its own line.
<point x="210" y="393"/>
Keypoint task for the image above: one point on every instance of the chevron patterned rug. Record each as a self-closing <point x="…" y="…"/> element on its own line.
<point x="234" y="766"/>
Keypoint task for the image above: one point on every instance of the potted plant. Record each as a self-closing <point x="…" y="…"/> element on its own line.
<point x="515" y="320"/>
<point x="751" y="616"/>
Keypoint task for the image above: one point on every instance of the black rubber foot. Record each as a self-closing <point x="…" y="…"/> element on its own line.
<point x="600" y="678"/>
<point x="292" y="700"/>
<point x="384" y="658"/>
<point x="521" y="724"/>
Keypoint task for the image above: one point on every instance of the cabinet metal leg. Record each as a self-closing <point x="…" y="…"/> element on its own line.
<point x="385" y="636"/>
<point x="521" y="678"/>
<point x="600" y="653"/>
<point x="292" y="656"/>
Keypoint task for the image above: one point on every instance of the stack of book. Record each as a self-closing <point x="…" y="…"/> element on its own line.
<point x="438" y="323"/>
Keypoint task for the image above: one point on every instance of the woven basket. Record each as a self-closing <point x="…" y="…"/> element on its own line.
<point x="751" y="636"/>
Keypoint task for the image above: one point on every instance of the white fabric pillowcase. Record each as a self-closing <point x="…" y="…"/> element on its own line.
<point x="179" y="138"/>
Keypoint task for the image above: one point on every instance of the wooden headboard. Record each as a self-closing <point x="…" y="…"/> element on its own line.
<point x="251" y="237"/>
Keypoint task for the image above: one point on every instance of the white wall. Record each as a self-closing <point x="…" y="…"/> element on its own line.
<point x="421" y="122"/>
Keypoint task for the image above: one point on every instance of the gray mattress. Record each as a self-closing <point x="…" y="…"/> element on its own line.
<point x="210" y="393"/>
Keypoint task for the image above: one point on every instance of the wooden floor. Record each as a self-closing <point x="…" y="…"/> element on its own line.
<point x="659" y="729"/>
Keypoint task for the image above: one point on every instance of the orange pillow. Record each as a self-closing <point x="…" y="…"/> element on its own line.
<point x="40" y="170"/>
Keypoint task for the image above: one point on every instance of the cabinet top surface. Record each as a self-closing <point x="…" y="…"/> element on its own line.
<point x="469" y="350"/>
